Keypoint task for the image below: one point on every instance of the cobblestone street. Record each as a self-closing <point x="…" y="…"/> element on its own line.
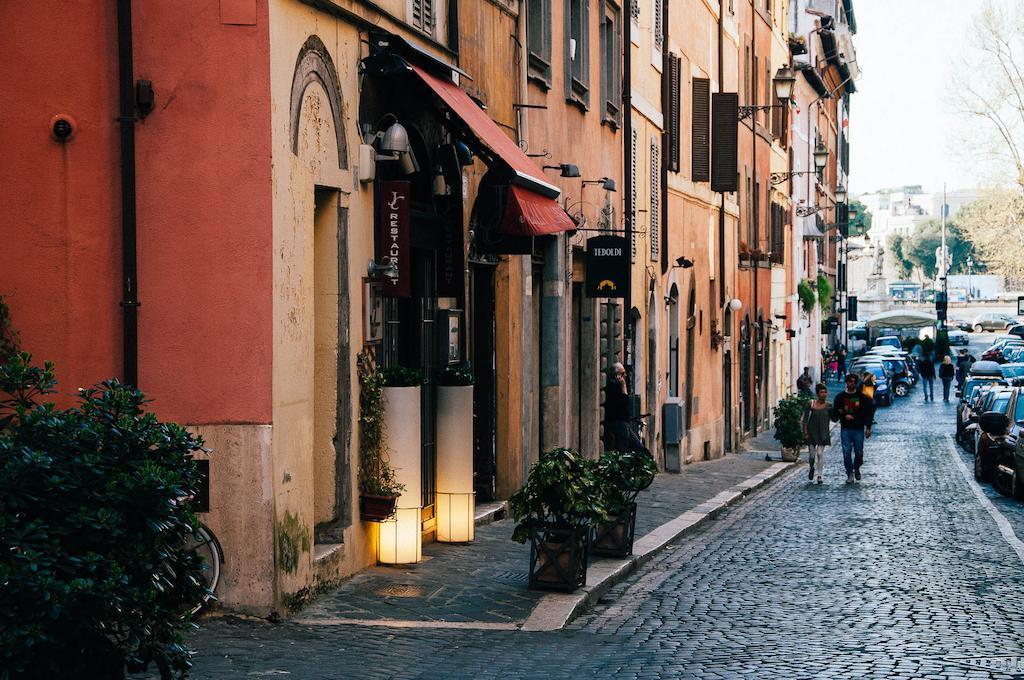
<point x="905" y="574"/>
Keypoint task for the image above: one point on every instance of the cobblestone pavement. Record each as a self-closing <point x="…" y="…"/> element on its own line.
<point x="902" y="575"/>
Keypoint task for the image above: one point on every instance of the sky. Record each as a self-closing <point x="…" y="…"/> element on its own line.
<point x="902" y="131"/>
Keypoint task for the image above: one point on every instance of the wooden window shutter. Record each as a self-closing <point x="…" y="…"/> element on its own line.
<point x="700" y="133"/>
<point x="423" y="15"/>
<point x="654" y="221"/>
<point x="674" y="112"/>
<point x="724" y="142"/>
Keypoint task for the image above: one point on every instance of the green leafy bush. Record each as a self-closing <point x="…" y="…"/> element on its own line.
<point x="624" y="475"/>
<point x="825" y="293"/>
<point x="788" y="422"/>
<point x="376" y="476"/>
<point x="456" y="376"/>
<point x="400" y="376"/>
<point x="94" y="577"/>
<point x="564" y="489"/>
<point x="805" y="291"/>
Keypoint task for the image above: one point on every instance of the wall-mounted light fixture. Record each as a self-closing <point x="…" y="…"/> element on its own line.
<point x="565" y="169"/>
<point x="783" y="85"/>
<point x="683" y="262"/>
<point x="376" y="270"/>
<point x="394" y="146"/>
<point x="607" y="183"/>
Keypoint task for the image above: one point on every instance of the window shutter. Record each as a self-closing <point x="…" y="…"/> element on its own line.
<point x="659" y="32"/>
<point x="701" y="131"/>
<point x="634" y="10"/>
<point x="674" y="101"/>
<point x="423" y="15"/>
<point x="724" y="141"/>
<point x="654" y="223"/>
<point x="632" y="190"/>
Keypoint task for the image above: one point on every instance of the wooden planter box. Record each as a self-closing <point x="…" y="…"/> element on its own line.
<point x="558" y="558"/>
<point x="376" y="508"/>
<point x="614" y="538"/>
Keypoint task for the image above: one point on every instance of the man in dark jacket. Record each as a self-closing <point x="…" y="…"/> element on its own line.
<point x="963" y="367"/>
<point x="619" y="436"/>
<point x="855" y="413"/>
<point x="926" y="369"/>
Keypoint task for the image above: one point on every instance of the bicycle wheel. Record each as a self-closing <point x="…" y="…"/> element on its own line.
<point x="205" y="544"/>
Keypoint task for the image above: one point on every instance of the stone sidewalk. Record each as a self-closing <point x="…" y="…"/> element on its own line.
<point x="483" y="585"/>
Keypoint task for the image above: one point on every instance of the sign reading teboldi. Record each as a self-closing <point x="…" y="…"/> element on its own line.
<point x="607" y="266"/>
<point x="394" y="238"/>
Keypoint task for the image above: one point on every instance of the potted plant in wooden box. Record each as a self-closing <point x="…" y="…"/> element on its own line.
<point x="455" y="505"/>
<point x="788" y="423"/>
<point x="562" y="498"/>
<point x="378" y="487"/>
<point x="624" y="475"/>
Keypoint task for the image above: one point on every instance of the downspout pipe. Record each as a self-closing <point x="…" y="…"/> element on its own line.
<point x="721" y="211"/>
<point x="629" y="208"/>
<point x="129" y="270"/>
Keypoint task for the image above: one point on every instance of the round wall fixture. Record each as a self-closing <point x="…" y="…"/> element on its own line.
<point x="63" y="127"/>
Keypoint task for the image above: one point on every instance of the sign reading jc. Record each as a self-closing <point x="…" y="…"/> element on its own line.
<point x="607" y="267"/>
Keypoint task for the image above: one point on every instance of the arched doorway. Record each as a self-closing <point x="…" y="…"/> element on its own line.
<point x="691" y="337"/>
<point x="673" y="342"/>
<point x="745" y="383"/>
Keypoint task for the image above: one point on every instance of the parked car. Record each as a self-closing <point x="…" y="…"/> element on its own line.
<point x="958" y="337"/>
<point x="992" y="321"/>
<point x="962" y="324"/>
<point x="1013" y="370"/>
<point x="1013" y="355"/>
<point x="1017" y="330"/>
<point x="987" y="442"/>
<point x="996" y="351"/>
<point x="980" y="403"/>
<point x="983" y="374"/>
<point x="891" y="340"/>
<point x="883" y="395"/>
<point x="1007" y="455"/>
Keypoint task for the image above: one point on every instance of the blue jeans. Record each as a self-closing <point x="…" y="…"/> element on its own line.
<point x="945" y="388"/>
<point x="853" y="442"/>
<point x="929" y="388"/>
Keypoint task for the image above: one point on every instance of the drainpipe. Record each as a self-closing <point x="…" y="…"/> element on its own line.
<point x="127" y="119"/>
<point x="665" y="106"/>
<point x="721" y="211"/>
<point x="755" y="262"/>
<point x="627" y="165"/>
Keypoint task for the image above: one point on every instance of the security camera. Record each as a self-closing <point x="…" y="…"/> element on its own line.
<point x="62" y="127"/>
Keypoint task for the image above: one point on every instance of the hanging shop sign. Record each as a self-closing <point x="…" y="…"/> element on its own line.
<point x="607" y="267"/>
<point x="394" y="238"/>
<point x="451" y="261"/>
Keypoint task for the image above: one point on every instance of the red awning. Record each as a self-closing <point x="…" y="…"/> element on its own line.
<point x="529" y="214"/>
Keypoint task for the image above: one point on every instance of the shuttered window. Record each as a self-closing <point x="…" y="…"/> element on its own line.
<point x="778" y="234"/>
<point x="577" y="51"/>
<point x="538" y="39"/>
<point x="659" y="31"/>
<point x="611" y="85"/>
<point x="672" y="84"/>
<point x="700" y="133"/>
<point x="654" y="226"/>
<point x="632" y="190"/>
<point x="634" y="9"/>
<point x="422" y="13"/>
<point x="724" y="142"/>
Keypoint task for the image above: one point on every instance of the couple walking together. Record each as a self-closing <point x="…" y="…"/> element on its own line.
<point x="855" y="412"/>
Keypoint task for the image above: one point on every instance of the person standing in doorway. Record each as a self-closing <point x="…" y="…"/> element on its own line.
<point x="619" y="436"/>
<point x="926" y="368"/>
<point x="805" y="381"/>
<point x="946" y="374"/>
<point x="856" y="414"/>
<point x="817" y="423"/>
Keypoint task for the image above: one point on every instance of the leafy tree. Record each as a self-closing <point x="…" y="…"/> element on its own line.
<point x="904" y="267"/>
<point x="860" y="218"/>
<point x="994" y="224"/>
<point x="921" y="248"/>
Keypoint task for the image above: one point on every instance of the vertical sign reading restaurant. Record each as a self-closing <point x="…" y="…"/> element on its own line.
<point x="394" y="238"/>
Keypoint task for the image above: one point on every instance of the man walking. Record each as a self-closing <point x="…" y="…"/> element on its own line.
<point x="805" y="381"/>
<point x="926" y="369"/>
<point x="963" y="367"/>
<point x="855" y="413"/>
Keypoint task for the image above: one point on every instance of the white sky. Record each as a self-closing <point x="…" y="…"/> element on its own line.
<point x="900" y="125"/>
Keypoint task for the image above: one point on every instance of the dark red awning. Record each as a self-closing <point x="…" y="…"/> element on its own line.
<point x="531" y="209"/>
<point x="529" y="214"/>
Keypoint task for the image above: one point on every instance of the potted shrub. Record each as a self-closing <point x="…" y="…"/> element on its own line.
<point x="455" y="507"/>
<point x="788" y="423"/>
<point x="562" y="498"/>
<point x="624" y="474"/>
<point x="378" y="487"/>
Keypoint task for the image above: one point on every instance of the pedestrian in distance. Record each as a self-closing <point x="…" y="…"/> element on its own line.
<point x="817" y="421"/>
<point x="833" y="366"/>
<point x="619" y="436"/>
<point x="946" y="374"/>
<point x="805" y="381"/>
<point x="926" y="368"/>
<point x="964" y="361"/>
<point x="840" y="362"/>
<point x="867" y="385"/>
<point x="856" y="414"/>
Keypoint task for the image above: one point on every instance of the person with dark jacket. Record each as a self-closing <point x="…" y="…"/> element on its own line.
<point x="963" y="366"/>
<point x="856" y="414"/>
<point x="946" y="374"/>
<point x="619" y="436"/>
<point x="926" y="369"/>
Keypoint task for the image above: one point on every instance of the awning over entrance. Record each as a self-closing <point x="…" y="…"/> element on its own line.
<point x="528" y="214"/>
<point x="900" y="318"/>
<point x="531" y="209"/>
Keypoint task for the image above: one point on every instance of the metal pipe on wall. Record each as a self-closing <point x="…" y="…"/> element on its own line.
<point x="127" y="119"/>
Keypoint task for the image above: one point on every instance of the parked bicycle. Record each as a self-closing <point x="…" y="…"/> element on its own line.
<point x="205" y="544"/>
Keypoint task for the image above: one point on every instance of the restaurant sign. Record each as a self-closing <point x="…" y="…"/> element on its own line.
<point x="394" y="239"/>
<point x="607" y="267"/>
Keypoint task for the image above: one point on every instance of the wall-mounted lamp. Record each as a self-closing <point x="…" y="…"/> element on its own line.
<point x="820" y="155"/>
<point x="683" y="262"/>
<point x="565" y="169"/>
<point x="783" y="83"/>
<point x="840" y="194"/>
<point x="394" y="146"/>
<point x="607" y="183"/>
<point x="463" y="153"/>
<point x="376" y="270"/>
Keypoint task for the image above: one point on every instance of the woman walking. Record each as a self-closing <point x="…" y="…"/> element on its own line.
<point x="946" y="373"/>
<point x="817" y="422"/>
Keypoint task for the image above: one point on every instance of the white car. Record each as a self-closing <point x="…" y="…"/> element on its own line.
<point x="958" y="337"/>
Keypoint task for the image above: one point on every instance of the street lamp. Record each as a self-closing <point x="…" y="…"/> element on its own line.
<point x="820" y="155"/>
<point x="782" y="83"/>
<point x="840" y="194"/>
